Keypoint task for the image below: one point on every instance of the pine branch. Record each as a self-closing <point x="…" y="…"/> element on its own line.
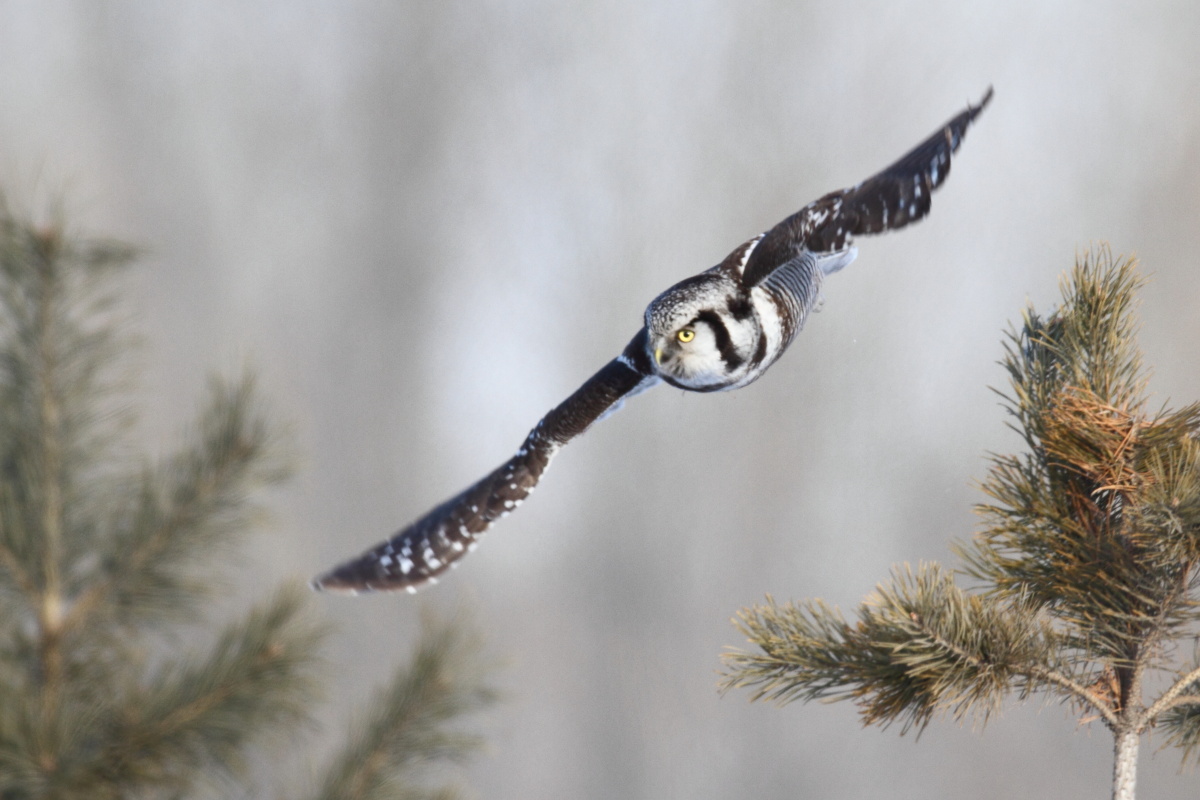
<point x="1089" y="556"/>
<point x="57" y="342"/>
<point x="1100" y="521"/>
<point x="1174" y="696"/>
<point x="920" y="646"/>
<point x="410" y="726"/>
<point x="182" y="513"/>
<point x="1181" y="720"/>
<point x="1084" y="695"/>
<point x="196" y="716"/>
<point x="95" y="556"/>
<point x="51" y="349"/>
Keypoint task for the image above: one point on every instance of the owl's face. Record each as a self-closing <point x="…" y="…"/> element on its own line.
<point x="686" y="354"/>
<point x="701" y="335"/>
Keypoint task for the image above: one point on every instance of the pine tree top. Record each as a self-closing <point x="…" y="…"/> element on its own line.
<point x="104" y="554"/>
<point x="1086" y="569"/>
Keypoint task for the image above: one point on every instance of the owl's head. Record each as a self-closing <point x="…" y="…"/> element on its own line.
<point x="700" y="334"/>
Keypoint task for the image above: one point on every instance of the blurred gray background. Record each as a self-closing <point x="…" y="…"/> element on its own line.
<point x="424" y="224"/>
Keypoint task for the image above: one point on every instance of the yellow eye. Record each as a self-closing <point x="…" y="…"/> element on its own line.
<point x="685" y="335"/>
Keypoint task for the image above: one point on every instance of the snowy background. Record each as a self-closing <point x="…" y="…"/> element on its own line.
<point x="424" y="224"/>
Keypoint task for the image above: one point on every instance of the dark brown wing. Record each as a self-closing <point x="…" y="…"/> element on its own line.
<point x="886" y="201"/>
<point x="434" y="543"/>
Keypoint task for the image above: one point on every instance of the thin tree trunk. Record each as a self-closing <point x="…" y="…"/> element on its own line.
<point x="1125" y="765"/>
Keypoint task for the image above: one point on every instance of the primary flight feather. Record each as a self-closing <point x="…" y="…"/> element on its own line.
<point x="719" y="330"/>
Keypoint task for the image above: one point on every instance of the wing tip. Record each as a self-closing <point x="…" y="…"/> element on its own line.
<point x="334" y="583"/>
<point x="976" y="110"/>
<point x="362" y="576"/>
<point x="320" y="585"/>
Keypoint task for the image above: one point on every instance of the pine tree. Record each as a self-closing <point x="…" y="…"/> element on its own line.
<point x="1084" y="574"/>
<point x="108" y="562"/>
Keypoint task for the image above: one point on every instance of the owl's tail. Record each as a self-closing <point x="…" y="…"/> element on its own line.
<point x="830" y="263"/>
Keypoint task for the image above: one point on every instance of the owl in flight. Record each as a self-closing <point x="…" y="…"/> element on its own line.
<point x="719" y="330"/>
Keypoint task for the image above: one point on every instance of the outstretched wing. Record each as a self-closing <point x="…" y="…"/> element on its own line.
<point x="434" y="543"/>
<point x="886" y="201"/>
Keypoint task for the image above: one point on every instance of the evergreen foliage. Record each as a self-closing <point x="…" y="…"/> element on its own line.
<point x="1086" y="567"/>
<point x="407" y="726"/>
<point x="107" y="562"/>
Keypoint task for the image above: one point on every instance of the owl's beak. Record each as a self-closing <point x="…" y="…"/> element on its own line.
<point x="658" y="356"/>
